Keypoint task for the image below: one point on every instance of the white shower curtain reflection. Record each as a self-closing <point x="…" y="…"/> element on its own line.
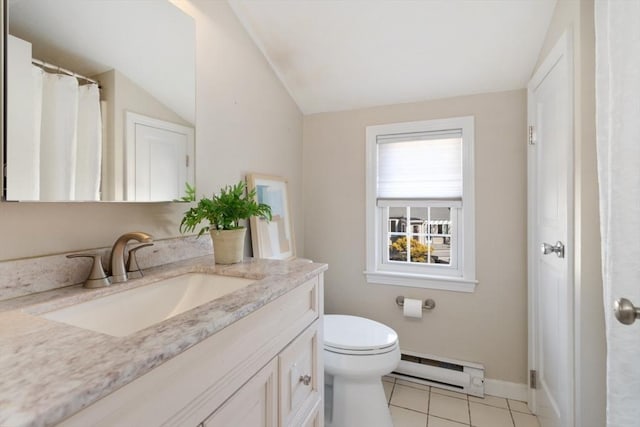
<point x="70" y="137"/>
<point x="89" y="147"/>
<point x="58" y="137"/>
<point x="33" y="172"/>
<point x="618" y="139"/>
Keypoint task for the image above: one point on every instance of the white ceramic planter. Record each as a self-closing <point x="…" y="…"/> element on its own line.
<point x="228" y="245"/>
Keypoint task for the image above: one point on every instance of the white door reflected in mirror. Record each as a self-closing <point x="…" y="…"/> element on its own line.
<point x="159" y="159"/>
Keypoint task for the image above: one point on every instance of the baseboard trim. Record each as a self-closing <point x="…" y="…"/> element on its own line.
<point x="505" y="389"/>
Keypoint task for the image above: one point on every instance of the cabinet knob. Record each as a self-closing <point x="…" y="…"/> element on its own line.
<point x="305" y="379"/>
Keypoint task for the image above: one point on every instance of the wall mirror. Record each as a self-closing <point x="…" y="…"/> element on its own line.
<point x="100" y="100"/>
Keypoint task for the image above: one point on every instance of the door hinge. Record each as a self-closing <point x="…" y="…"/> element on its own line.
<point x="533" y="379"/>
<point x="187" y="161"/>
<point x="531" y="136"/>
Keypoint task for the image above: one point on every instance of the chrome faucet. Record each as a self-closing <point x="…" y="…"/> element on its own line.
<point x="116" y="261"/>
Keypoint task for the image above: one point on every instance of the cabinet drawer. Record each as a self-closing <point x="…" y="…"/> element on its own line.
<point x="300" y="387"/>
<point x="254" y="405"/>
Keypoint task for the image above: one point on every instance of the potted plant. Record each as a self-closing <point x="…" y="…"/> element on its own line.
<point x="223" y="213"/>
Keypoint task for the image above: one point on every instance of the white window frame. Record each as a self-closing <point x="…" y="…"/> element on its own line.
<point x="461" y="274"/>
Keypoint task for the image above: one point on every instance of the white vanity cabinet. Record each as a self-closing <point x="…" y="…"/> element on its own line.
<point x="255" y="404"/>
<point x="289" y="383"/>
<point x="263" y="370"/>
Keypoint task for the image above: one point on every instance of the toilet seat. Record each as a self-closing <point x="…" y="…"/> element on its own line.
<point x="357" y="336"/>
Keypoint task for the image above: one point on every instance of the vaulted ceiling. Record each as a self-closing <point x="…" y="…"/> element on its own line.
<point x="340" y="55"/>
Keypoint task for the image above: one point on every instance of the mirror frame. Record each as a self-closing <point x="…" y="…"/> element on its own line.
<point x="3" y="92"/>
<point x="4" y="12"/>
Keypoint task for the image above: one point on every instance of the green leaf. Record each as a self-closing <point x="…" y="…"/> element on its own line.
<point x="223" y="211"/>
<point x="190" y="194"/>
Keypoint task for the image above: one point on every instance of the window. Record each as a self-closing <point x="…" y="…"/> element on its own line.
<point x="420" y="204"/>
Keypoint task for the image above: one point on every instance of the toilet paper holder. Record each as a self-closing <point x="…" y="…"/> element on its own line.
<point x="427" y="304"/>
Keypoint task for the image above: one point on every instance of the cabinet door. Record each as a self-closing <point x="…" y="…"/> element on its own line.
<point x="254" y="405"/>
<point x="299" y="380"/>
<point x="314" y="419"/>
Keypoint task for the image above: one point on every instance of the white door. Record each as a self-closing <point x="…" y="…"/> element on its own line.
<point x="159" y="159"/>
<point x="550" y="190"/>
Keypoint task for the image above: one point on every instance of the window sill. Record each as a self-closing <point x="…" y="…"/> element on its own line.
<point x="455" y="284"/>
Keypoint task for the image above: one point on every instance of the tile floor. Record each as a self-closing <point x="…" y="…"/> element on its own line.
<point x="418" y="405"/>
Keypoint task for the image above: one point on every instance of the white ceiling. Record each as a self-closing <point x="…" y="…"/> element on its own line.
<point x="340" y="55"/>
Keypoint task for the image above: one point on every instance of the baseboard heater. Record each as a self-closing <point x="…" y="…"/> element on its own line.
<point x="449" y="374"/>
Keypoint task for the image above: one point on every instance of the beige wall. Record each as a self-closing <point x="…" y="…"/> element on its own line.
<point x="246" y="121"/>
<point x="488" y="326"/>
<point x="576" y="17"/>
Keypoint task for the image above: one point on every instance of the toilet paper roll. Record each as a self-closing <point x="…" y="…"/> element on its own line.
<point x="412" y="308"/>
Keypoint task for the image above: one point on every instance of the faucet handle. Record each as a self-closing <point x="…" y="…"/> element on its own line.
<point x="97" y="277"/>
<point x="133" y="269"/>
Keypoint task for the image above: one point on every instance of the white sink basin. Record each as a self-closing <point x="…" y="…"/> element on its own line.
<point x="129" y="311"/>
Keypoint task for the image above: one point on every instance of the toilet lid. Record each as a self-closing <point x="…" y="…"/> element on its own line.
<point x="354" y="333"/>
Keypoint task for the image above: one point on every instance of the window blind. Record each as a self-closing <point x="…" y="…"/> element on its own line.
<point x="423" y="165"/>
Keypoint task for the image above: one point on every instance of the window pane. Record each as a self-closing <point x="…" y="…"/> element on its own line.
<point x="397" y="238"/>
<point x="397" y="220"/>
<point x="419" y="218"/>
<point x="421" y="237"/>
<point x="420" y="250"/>
<point x="419" y="240"/>
<point x="441" y="214"/>
<point x="419" y="215"/>
<point x="398" y="248"/>
<point x="440" y="229"/>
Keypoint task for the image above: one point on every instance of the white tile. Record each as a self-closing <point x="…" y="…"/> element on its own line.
<point x="525" y="420"/>
<point x="489" y="416"/>
<point x="406" y="418"/>
<point x="441" y="422"/>
<point x="410" y="398"/>
<point x="389" y="379"/>
<point x="412" y="384"/>
<point x="388" y="387"/>
<point x="449" y="407"/>
<point x="448" y="393"/>
<point x="519" y="406"/>
<point x="498" y="402"/>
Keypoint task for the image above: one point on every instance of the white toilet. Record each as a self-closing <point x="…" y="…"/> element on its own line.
<point x="357" y="353"/>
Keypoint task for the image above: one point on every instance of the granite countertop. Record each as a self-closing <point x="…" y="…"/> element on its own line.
<point x="51" y="370"/>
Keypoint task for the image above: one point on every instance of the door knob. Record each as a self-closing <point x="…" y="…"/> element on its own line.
<point x="625" y="311"/>
<point x="546" y="249"/>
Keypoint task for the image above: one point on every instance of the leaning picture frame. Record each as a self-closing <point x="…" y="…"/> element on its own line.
<point x="272" y="239"/>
